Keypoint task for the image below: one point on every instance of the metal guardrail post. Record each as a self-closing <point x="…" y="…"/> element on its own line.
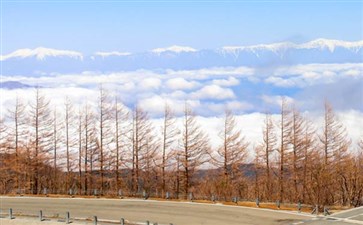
<point x="326" y="211"/>
<point x="120" y="193"/>
<point x="122" y="221"/>
<point x="234" y="200"/>
<point x="191" y="196"/>
<point x="67" y="217"/>
<point x="71" y="192"/>
<point x="299" y="207"/>
<point x="257" y="202"/>
<point x="95" y="220"/>
<point x="145" y="195"/>
<point x="40" y="215"/>
<point x="167" y="195"/>
<point x="11" y="213"/>
<point x="315" y="210"/>
<point x="278" y="204"/>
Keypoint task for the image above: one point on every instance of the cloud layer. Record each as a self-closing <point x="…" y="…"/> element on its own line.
<point x="246" y="79"/>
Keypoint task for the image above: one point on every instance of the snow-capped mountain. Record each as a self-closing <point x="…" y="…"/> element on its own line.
<point x="174" y="49"/>
<point x="35" y="62"/>
<point x="278" y="48"/>
<point x="113" y="53"/>
<point x="41" y="53"/>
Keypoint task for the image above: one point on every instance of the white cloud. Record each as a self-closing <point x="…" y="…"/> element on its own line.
<point x="155" y="104"/>
<point x="180" y="84"/>
<point x="213" y="92"/>
<point x="238" y="106"/>
<point x="312" y="74"/>
<point x="128" y="86"/>
<point x="276" y="100"/>
<point x="185" y="79"/>
<point x="211" y="108"/>
<point x="213" y="72"/>
<point x="353" y="122"/>
<point x="150" y="83"/>
<point x="212" y="83"/>
<point x="231" y="81"/>
<point x="250" y="125"/>
<point x="353" y="73"/>
<point x="282" y="82"/>
<point x="56" y="96"/>
<point x="41" y="53"/>
<point x="178" y="95"/>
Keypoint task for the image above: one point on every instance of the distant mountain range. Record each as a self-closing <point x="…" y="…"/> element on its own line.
<point x="44" y="61"/>
<point x="14" y="85"/>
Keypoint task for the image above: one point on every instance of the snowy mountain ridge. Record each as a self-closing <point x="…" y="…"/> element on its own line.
<point x="320" y="44"/>
<point x="41" y="53"/>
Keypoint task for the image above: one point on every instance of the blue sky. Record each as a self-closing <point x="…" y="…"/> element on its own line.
<point x="140" y="26"/>
<point x="248" y="80"/>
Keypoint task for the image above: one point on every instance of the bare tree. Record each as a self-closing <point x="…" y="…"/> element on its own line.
<point x="233" y="151"/>
<point x="309" y="149"/>
<point x="360" y="146"/>
<point x="18" y="117"/>
<point x="105" y="111"/>
<point x="334" y="138"/>
<point x="169" y="132"/>
<point x="195" y="147"/>
<point x="120" y="136"/>
<point x="70" y="141"/>
<point x="89" y="145"/>
<point x="258" y="165"/>
<point x="80" y="148"/>
<point x="56" y="140"/>
<point x="297" y="141"/>
<point x="335" y="144"/>
<point x="265" y="151"/>
<point x="3" y="135"/>
<point x="285" y="130"/>
<point x="148" y="162"/>
<point x="41" y="122"/>
<point x="143" y="141"/>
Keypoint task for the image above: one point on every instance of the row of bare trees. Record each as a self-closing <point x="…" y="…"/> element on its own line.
<point x="107" y="147"/>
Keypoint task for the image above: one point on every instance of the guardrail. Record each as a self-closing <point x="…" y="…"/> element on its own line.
<point x="67" y="219"/>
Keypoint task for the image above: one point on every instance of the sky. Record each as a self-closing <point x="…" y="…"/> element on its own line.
<point x="137" y="26"/>
<point x="225" y="54"/>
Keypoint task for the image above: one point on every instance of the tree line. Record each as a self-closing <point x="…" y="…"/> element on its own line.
<point x="107" y="147"/>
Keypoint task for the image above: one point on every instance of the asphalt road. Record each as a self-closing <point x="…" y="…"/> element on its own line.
<point x="163" y="212"/>
<point x="347" y="217"/>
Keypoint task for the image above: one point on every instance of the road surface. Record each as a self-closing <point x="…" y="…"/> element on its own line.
<point x="347" y="217"/>
<point x="163" y="212"/>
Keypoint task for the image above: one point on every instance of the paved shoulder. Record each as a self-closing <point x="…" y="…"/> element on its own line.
<point x="155" y="211"/>
<point x="347" y="217"/>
